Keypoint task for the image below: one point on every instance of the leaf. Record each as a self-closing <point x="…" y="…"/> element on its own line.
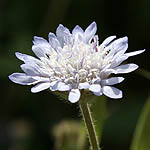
<point x="141" y="139"/>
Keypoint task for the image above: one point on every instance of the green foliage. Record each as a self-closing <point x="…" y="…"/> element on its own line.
<point x="141" y="140"/>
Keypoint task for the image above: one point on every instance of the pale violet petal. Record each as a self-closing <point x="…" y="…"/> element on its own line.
<point x="108" y="40"/>
<point x="61" y="30"/>
<point x="53" y="41"/>
<point x="63" y="35"/>
<point x="40" y="87"/>
<point x="41" y="50"/>
<point x="39" y="40"/>
<point x="38" y="51"/>
<point x="125" y="68"/>
<point x="41" y="79"/>
<point x="106" y="72"/>
<point x="63" y="87"/>
<point x="96" y="80"/>
<point x="54" y="85"/>
<point x="98" y="93"/>
<point x="74" y="95"/>
<point x="90" y="32"/>
<point x="77" y="32"/>
<point x="20" y="56"/>
<point x="30" y="69"/>
<point x="134" y="53"/>
<point x="22" y="78"/>
<point x="120" y="44"/>
<point x="95" y="88"/>
<point x="84" y="85"/>
<point x="51" y="35"/>
<point x="34" y="69"/>
<point x="27" y="58"/>
<point x="118" y="60"/>
<point x="112" y="81"/>
<point x="112" y="92"/>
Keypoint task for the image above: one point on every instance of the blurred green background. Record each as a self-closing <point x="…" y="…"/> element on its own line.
<point x="26" y="119"/>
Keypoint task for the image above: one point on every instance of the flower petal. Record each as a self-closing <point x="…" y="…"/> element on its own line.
<point x="20" y="56"/>
<point x="95" y="88"/>
<point x="41" y="79"/>
<point x="117" y="60"/>
<point x="112" y="81"/>
<point x="54" y="85"/>
<point x="27" y="58"/>
<point x="96" y="80"/>
<point x="74" y="95"/>
<point x="40" y="87"/>
<point x="134" y="53"/>
<point x="98" y="93"/>
<point x="63" y="35"/>
<point x="84" y="85"/>
<point x="112" y="92"/>
<point x="53" y="41"/>
<point x="30" y="69"/>
<point x="63" y="87"/>
<point x="77" y="32"/>
<point x="22" y="78"/>
<point x="39" y="40"/>
<point x="120" y="44"/>
<point x="124" y="68"/>
<point x="41" y="50"/>
<point x="90" y="32"/>
<point x="108" y="40"/>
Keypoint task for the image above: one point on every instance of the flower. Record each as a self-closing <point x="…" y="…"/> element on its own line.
<point x="75" y="61"/>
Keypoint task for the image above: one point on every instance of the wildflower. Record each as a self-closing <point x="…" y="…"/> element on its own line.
<point x="75" y="61"/>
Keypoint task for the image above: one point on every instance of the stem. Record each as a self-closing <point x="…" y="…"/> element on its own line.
<point x="85" y="110"/>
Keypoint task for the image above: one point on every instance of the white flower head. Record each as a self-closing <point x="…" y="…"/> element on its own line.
<point x="75" y="61"/>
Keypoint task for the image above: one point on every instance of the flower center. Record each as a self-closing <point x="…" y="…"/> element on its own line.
<point x="78" y="63"/>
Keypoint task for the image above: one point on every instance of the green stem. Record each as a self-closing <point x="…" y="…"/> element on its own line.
<point x="85" y="110"/>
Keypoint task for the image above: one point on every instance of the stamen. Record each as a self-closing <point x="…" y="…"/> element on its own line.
<point x="96" y="49"/>
<point x="48" y="56"/>
<point x="95" y="43"/>
<point x="107" y="52"/>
